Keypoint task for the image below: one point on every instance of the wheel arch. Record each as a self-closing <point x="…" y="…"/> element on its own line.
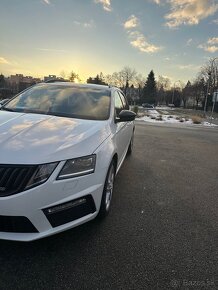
<point x="115" y="159"/>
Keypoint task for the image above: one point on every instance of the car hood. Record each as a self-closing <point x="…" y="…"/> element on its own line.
<point x="37" y="139"/>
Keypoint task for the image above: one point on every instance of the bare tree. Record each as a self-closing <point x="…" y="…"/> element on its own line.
<point x="163" y="85"/>
<point x="122" y="79"/>
<point x="63" y="74"/>
<point x="128" y="76"/>
<point x="209" y="72"/>
<point x="198" y="91"/>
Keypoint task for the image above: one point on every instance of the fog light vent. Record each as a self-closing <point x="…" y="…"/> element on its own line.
<point x="70" y="211"/>
<point x="65" y="206"/>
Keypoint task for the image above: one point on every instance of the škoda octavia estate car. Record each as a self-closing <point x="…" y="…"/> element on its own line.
<point x="61" y="147"/>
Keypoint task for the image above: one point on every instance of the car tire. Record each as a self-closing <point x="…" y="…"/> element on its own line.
<point x="130" y="148"/>
<point x="107" y="192"/>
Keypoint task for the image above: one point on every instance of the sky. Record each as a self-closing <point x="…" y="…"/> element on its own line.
<point x="172" y="37"/>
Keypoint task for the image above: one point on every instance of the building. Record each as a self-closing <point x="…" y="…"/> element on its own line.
<point x="52" y="77"/>
<point x="20" y="82"/>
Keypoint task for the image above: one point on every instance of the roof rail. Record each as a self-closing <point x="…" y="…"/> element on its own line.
<point x="54" y="81"/>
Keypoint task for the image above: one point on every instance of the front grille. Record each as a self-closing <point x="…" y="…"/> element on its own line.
<point x="16" y="224"/>
<point x="14" y="178"/>
<point x="70" y="211"/>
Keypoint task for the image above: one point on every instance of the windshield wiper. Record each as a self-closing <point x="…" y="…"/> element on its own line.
<point x="7" y="109"/>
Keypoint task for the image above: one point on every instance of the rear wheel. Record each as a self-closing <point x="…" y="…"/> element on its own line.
<point x="108" y="191"/>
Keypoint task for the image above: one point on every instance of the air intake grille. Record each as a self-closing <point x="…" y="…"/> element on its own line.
<point x="14" y="178"/>
<point x="16" y="224"/>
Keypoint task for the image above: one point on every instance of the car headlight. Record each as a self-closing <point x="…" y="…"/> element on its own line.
<point x="77" y="167"/>
<point x="41" y="174"/>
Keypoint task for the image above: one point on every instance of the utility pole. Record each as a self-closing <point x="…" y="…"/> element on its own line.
<point x="208" y="87"/>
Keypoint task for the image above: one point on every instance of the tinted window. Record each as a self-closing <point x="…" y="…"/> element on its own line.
<point x="69" y="101"/>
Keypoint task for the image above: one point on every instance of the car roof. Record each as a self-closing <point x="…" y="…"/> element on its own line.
<point x="79" y="85"/>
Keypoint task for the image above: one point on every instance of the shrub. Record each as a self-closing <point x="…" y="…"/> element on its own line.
<point x="159" y="118"/>
<point x="170" y="117"/>
<point x="152" y="117"/>
<point x="135" y="109"/>
<point x="196" y="120"/>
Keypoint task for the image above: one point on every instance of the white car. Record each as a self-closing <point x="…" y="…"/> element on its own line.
<point x="2" y="102"/>
<point x="61" y="146"/>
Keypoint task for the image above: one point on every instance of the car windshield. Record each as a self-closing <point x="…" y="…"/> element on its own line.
<point x="63" y="100"/>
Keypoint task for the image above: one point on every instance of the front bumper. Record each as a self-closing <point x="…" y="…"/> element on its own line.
<point x="34" y="203"/>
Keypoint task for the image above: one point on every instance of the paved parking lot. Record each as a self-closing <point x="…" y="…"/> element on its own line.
<point x="162" y="232"/>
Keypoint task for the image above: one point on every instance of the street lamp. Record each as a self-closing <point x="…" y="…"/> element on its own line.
<point x="208" y="84"/>
<point x="174" y="90"/>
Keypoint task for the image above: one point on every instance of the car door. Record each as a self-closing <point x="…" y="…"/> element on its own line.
<point x="129" y="125"/>
<point x="122" y="129"/>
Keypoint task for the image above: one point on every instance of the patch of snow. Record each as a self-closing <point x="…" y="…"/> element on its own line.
<point x="167" y="120"/>
<point x="209" y="124"/>
<point x="164" y="112"/>
<point x="164" y="108"/>
<point x="153" y="112"/>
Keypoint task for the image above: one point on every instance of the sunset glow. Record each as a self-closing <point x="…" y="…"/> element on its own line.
<point x="44" y="37"/>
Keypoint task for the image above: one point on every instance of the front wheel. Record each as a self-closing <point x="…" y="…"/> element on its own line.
<point x="108" y="191"/>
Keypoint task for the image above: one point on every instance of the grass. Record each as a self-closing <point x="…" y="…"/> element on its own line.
<point x="135" y="109"/>
<point x="196" y="120"/>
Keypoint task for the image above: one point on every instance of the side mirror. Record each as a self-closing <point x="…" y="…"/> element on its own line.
<point x="125" y="116"/>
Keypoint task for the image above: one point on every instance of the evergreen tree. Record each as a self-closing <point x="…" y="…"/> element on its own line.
<point x="98" y="80"/>
<point x="150" y="89"/>
<point x="186" y="93"/>
<point x="74" y="77"/>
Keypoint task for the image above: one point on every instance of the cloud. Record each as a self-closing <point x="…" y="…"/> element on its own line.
<point x="105" y="3"/>
<point x="47" y="2"/>
<point x="136" y="37"/>
<point x="189" y="41"/>
<point x="211" y="49"/>
<point x="138" y="40"/>
<point x="211" y="45"/>
<point x="157" y="1"/>
<point x="52" y="50"/>
<point x="4" y="60"/>
<point x="189" y="67"/>
<point x="213" y="40"/>
<point x="89" y="24"/>
<point x="131" y="22"/>
<point x="189" y="12"/>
